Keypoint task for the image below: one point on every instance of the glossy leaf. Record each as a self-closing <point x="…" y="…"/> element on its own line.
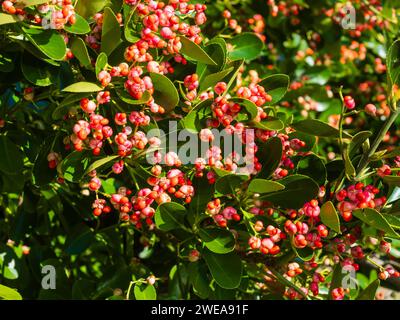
<point x="165" y="93"/>
<point x="264" y="186"/>
<point x="83" y="87"/>
<point x="195" y="52"/>
<point x="212" y="79"/>
<point x="127" y="98"/>
<point x="111" y="32"/>
<point x="271" y="123"/>
<point x="49" y="42"/>
<point x="271" y="153"/>
<point x="228" y="183"/>
<point x="74" y="166"/>
<point x="316" y="127"/>
<point x="369" y="292"/>
<point x="87" y="8"/>
<point x="7" y="18"/>
<point x="170" y="216"/>
<point x="38" y="72"/>
<point x="101" y="162"/>
<point x="80" y="51"/>
<point x="393" y="63"/>
<point x="144" y="292"/>
<point x="276" y="86"/>
<point x="101" y="62"/>
<point x="314" y="167"/>
<point x="245" y="46"/>
<point x="7" y="293"/>
<point x="298" y="190"/>
<point x="374" y="219"/>
<point x="226" y="269"/>
<point x="392" y="180"/>
<point x="217" y="240"/>
<point x="81" y="26"/>
<point x="330" y="217"/>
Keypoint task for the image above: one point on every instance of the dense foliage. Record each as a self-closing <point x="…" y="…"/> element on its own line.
<point x="94" y="92"/>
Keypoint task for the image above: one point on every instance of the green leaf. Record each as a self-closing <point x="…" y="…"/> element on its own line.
<point x="87" y="8"/>
<point x="198" y="277"/>
<point x="228" y="183"/>
<point x="226" y="269"/>
<point x="170" y="216"/>
<point x="316" y="128"/>
<point x="357" y="141"/>
<point x="193" y="120"/>
<point x="80" y="51"/>
<point x="271" y="155"/>
<point x="165" y="93"/>
<point x="276" y="86"/>
<point x="101" y="162"/>
<point x="393" y="220"/>
<point x="216" y="49"/>
<point x="217" y="240"/>
<point x="369" y="292"/>
<point x="314" y="167"/>
<point x="101" y="62"/>
<point x="79" y="240"/>
<point x="348" y="165"/>
<point x="83" y="87"/>
<point x="264" y="186"/>
<point x="74" y="166"/>
<point x="392" y="180"/>
<point x="27" y="3"/>
<point x="248" y="105"/>
<point x="111" y="32"/>
<point x="337" y="277"/>
<point x="40" y="172"/>
<point x="270" y="123"/>
<point x="127" y="98"/>
<point x="49" y="42"/>
<point x="212" y="79"/>
<point x="195" y="52"/>
<point x="144" y="292"/>
<point x="81" y="26"/>
<point x="374" y="219"/>
<point x="246" y="45"/>
<point x="7" y="293"/>
<point x="38" y="72"/>
<point x="7" y="18"/>
<point x="298" y="190"/>
<point x="330" y="217"/>
<point x="12" y="159"/>
<point x="393" y="63"/>
<point x="130" y="33"/>
<point x="65" y="105"/>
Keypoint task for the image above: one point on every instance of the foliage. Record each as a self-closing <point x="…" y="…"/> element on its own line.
<point x="88" y="90"/>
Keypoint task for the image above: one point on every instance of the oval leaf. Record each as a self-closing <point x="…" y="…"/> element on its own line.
<point x="330" y="217"/>
<point x="374" y="219"/>
<point x="83" y="87"/>
<point x="276" y="86"/>
<point x="217" y="240"/>
<point x="264" y="186"/>
<point x="226" y="269"/>
<point x="195" y="52"/>
<point x="165" y="93"/>
<point x="170" y="216"/>
<point x="246" y="45"/>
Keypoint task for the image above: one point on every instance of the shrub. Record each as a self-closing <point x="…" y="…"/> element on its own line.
<point x="183" y="150"/>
